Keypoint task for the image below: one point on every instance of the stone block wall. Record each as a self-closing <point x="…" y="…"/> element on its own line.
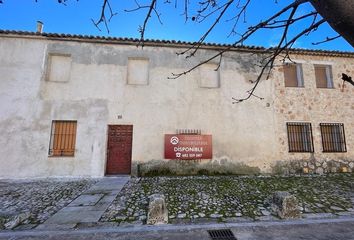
<point x="313" y="166"/>
<point x="315" y="105"/>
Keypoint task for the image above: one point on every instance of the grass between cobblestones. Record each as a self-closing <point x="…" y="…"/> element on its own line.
<point x="222" y="197"/>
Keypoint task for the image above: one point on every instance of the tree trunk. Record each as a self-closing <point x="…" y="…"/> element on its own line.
<point x="340" y="16"/>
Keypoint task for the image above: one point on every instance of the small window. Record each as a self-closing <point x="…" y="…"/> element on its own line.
<point x="209" y="76"/>
<point x="323" y="76"/>
<point x="333" y="137"/>
<point x="293" y="75"/>
<point x="138" y="71"/>
<point x="62" y="139"/>
<point x="59" y="68"/>
<point x="300" y="137"/>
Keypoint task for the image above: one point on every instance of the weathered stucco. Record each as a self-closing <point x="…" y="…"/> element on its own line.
<point x="252" y="133"/>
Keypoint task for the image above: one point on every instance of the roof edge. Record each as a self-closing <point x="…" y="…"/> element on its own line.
<point x="168" y="43"/>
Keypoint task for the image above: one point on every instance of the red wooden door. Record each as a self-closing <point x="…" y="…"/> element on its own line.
<point x="119" y="149"/>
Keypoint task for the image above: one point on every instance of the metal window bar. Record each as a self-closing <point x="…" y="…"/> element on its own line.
<point x="300" y="137"/>
<point x="62" y="140"/>
<point x="189" y="131"/>
<point x="333" y="137"/>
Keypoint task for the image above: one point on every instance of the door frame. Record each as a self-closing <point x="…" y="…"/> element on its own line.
<point x="107" y="154"/>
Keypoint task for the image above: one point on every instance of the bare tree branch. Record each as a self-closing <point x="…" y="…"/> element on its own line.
<point x="103" y="19"/>
<point x="237" y="17"/>
<point x="218" y="10"/>
<point x="201" y="40"/>
<point x="151" y="9"/>
<point x="328" y="39"/>
<point x="148" y="15"/>
<point x="244" y="37"/>
<point x="278" y="50"/>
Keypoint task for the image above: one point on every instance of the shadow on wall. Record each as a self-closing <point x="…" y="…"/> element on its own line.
<point x="197" y="167"/>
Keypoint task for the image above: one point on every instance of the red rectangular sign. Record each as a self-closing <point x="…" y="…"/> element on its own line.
<point x="188" y="147"/>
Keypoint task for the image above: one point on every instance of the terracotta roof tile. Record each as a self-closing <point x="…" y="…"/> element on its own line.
<point x="121" y="40"/>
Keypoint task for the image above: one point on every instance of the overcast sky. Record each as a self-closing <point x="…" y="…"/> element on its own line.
<point x="75" y="18"/>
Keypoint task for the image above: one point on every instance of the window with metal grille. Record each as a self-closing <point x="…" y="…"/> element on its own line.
<point x="300" y="137"/>
<point x="333" y="137"/>
<point x="293" y="75"/>
<point x="63" y="137"/>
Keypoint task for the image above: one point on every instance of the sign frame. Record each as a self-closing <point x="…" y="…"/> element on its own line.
<point x="188" y="146"/>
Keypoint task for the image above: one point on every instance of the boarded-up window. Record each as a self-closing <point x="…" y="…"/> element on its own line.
<point x="333" y="137"/>
<point x="138" y="71"/>
<point x="293" y="75"/>
<point x="323" y="76"/>
<point x="300" y="137"/>
<point x="209" y="76"/>
<point x="63" y="137"/>
<point x="59" y="68"/>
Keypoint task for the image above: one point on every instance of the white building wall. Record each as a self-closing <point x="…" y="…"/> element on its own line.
<point x="97" y="92"/>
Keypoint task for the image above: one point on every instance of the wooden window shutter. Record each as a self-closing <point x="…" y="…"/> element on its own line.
<point x="290" y="75"/>
<point x="63" y="138"/>
<point x="321" y="76"/>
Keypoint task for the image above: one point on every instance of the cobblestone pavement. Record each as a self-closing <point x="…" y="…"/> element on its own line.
<point x="32" y="202"/>
<point x="229" y="198"/>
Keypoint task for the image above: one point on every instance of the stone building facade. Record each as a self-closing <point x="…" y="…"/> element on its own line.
<point x="75" y="105"/>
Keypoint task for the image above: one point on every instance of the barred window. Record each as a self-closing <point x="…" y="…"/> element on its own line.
<point x="333" y="137"/>
<point x="300" y="137"/>
<point x="63" y="137"/>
